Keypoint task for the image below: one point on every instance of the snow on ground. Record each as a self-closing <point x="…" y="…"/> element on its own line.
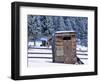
<point x="83" y="56"/>
<point x="83" y="48"/>
<point x="40" y="46"/>
<point x="40" y="55"/>
<point x="85" y="61"/>
<point x="38" y="43"/>
<point x="38" y="62"/>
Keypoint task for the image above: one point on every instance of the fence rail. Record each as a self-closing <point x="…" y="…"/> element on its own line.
<point x="51" y="49"/>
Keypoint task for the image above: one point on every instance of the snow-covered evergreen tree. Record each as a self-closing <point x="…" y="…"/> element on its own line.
<point x="40" y="26"/>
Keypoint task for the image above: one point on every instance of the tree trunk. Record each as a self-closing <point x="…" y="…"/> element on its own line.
<point x="34" y="43"/>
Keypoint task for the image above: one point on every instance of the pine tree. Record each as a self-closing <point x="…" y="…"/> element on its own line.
<point x="44" y="26"/>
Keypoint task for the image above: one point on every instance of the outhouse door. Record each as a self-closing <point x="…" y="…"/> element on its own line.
<point x="67" y="49"/>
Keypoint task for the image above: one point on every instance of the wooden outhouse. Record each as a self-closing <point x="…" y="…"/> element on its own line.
<point x="64" y="47"/>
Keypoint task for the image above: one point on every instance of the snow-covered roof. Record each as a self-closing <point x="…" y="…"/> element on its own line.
<point x="64" y="31"/>
<point x="45" y="39"/>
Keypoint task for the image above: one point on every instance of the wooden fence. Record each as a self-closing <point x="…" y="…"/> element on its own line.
<point x="46" y="53"/>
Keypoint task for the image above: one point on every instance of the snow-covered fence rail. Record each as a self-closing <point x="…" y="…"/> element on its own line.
<point x="81" y="50"/>
<point x="40" y="48"/>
